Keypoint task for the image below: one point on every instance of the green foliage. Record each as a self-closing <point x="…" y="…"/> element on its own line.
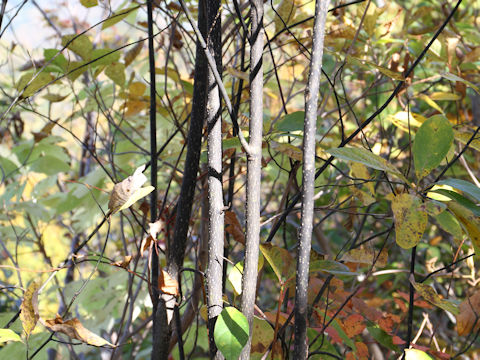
<point x="231" y="332"/>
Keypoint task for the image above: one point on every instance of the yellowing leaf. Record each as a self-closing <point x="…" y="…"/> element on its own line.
<point x="364" y="197"/>
<point x="237" y="73"/>
<point x="415" y="354"/>
<point x="137" y="88"/>
<point x="89" y="3"/>
<point x="131" y="54"/>
<point x="79" y="44"/>
<point x="118" y="16"/>
<point x="410" y="220"/>
<point x="280" y="260"/>
<point x="29" y="83"/>
<point x="470" y="223"/>
<point x="432" y="143"/>
<point x="405" y="120"/>
<point x="366" y="256"/>
<point x="444" y="96"/>
<point x="429" y="294"/>
<point x="367" y="158"/>
<point x="74" y="329"/>
<point x="8" y="335"/>
<point x="468" y="314"/>
<point x="285" y="14"/>
<point x="430" y="102"/>
<point x="453" y="77"/>
<point x="116" y="72"/>
<point x="291" y="151"/>
<point x="360" y="172"/>
<point x="28" y="310"/>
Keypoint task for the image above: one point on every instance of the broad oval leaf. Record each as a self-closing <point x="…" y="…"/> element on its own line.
<point x="467" y="316"/>
<point x="410" y="220"/>
<point x="231" y="332"/>
<point x="431" y="145"/>
<point x="291" y="122"/>
<point x="79" y="44"/>
<point x="367" y="158"/>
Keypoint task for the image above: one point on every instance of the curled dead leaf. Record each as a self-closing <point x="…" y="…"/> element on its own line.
<point x="74" y="329"/>
<point x="167" y="284"/>
<point x="124" y="262"/>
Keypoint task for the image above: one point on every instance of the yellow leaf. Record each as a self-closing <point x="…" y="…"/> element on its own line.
<point x="470" y="223"/>
<point x="291" y="151"/>
<point x="410" y="220"/>
<point x="366" y="256"/>
<point x="79" y="44"/>
<point x="116" y="72"/>
<point x="28" y="310"/>
<point x="429" y="294"/>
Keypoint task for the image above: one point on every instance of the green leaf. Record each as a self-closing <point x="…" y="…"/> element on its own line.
<point x="452" y="77"/>
<point x="58" y="58"/>
<point x="116" y="72"/>
<point x="231" y="332"/>
<point x="464" y="186"/>
<point x="410" y="220"/>
<point x="449" y="223"/>
<point x="79" y="44"/>
<point x="29" y="83"/>
<point x="382" y="337"/>
<point x="431" y="145"/>
<point x="118" y="16"/>
<point x="462" y="200"/>
<point x="415" y="354"/>
<point x="137" y="195"/>
<point x="291" y="122"/>
<point x="8" y="335"/>
<point x="103" y="58"/>
<point x="331" y="267"/>
<point x="367" y="158"/>
<point x="89" y="3"/>
<point x="49" y="165"/>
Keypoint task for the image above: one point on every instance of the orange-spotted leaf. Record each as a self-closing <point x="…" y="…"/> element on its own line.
<point x="353" y="325"/>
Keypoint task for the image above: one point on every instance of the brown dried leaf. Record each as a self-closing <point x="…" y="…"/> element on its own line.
<point x="124" y="262"/>
<point x="29" y="308"/>
<point x="233" y="227"/>
<point x="354" y="325"/>
<point x="167" y="284"/>
<point x="74" y="329"/>
<point x="469" y="312"/>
